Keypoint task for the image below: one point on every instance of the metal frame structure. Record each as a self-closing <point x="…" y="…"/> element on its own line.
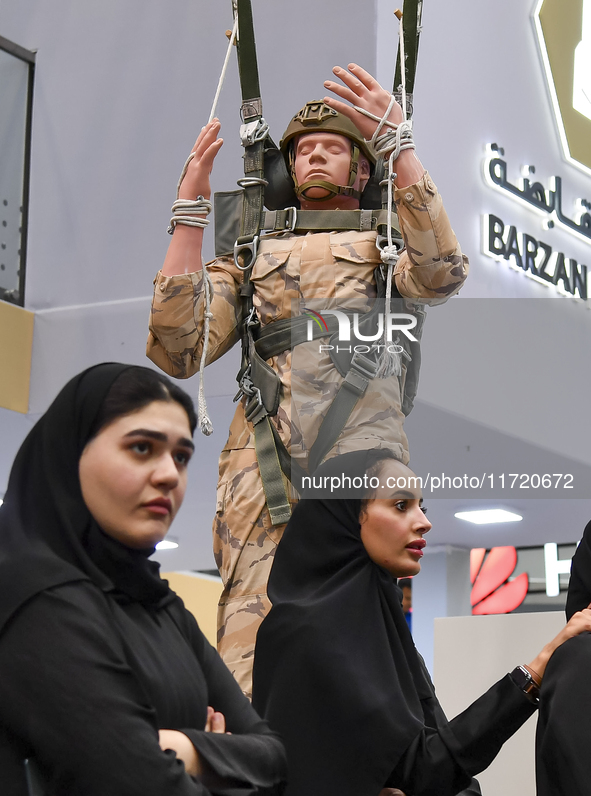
<point x="18" y="296"/>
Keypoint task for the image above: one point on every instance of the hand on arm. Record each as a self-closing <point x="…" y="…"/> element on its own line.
<point x="579" y="623"/>
<point x="184" y="252"/>
<point x="363" y="90"/>
<point x="184" y="749"/>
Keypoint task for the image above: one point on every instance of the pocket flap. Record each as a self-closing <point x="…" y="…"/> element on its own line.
<point x="271" y="256"/>
<point x="355" y="247"/>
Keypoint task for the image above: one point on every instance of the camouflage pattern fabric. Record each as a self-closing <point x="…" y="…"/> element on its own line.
<point x="335" y="267"/>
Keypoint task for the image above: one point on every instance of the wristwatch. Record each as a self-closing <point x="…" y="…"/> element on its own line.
<point x="523" y="680"/>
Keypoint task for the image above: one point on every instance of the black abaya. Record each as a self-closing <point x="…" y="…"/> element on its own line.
<point x="337" y="673"/>
<point x="564" y="725"/>
<point x="96" y="652"/>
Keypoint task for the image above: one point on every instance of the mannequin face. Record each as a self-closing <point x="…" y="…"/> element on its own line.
<point x="133" y="474"/>
<point x="392" y="527"/>
<point x="327" y="156"/>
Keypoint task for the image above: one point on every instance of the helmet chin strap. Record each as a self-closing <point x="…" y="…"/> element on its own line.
<point x="333" y="190"/>
<point x="331" y="187"/>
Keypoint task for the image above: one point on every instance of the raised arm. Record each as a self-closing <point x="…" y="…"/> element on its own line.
<point x="184" y="252"/>
<point x="178" y="309"/>
<point x="364" y="91"/>
<point x="432" y="267"/>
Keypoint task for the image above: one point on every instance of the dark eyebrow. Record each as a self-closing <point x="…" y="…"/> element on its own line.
<point x="160" y="437"/>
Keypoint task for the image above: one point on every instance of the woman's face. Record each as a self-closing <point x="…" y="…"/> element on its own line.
<point x="133" y="474"/>
<point x="392" y="527"/>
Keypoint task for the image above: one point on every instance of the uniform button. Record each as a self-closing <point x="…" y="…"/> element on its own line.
<point x="409" y="197"/>
<point x="430" y="185"/>
<point x="162" y="286"/>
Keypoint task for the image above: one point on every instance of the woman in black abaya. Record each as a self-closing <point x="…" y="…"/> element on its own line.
<point x="107" y="685"/>
<point x="336" y="671"/>
<point x="563" y="765"/>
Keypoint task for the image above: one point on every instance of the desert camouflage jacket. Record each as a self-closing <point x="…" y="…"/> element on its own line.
<point x="291" y="269"/>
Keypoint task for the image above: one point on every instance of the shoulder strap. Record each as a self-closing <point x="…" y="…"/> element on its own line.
<point x="412" y="11"/>
<point x="253" y="133"/>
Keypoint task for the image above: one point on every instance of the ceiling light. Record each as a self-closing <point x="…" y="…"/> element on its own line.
<point x="487" y="516"/>
<point x="167" y="544"/>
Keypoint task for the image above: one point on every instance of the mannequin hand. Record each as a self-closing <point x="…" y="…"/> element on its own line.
<point x="363" y="90"/>
<point x="184" y="749"/>
<point x="196" y="181"/>
<point x="578" y="623"/>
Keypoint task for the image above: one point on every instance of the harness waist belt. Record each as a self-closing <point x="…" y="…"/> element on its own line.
<point x="279" y="336"/>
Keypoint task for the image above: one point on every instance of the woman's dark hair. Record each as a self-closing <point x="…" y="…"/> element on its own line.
<point x="136" y="388"/>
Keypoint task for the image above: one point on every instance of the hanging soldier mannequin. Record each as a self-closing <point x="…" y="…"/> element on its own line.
<point x="291" y="266"/>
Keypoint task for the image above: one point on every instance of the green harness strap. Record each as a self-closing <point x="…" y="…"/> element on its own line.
<point x="293" y="220"/>
<point x="412" y="11"/>
<point x="252" y="113"/>
<point x="254" y="369"/>
<point x="229" y="211"/>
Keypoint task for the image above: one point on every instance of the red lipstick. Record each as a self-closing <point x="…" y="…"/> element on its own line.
<point x="417" y="547"/>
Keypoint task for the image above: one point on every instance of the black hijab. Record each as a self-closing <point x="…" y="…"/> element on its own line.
<point x="336" y="671"/>
<point x="579" y="587"/>
<point x="47" y="535"/>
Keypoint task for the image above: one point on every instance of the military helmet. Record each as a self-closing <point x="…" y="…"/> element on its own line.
<point x="317" y="116"/>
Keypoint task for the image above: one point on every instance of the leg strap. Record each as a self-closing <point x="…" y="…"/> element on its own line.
<point x="361" y="372"/>
<point x="271" y="473"/>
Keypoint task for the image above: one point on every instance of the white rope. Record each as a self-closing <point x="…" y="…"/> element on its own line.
<point x="402" y="65"/>
<point x="389" y="364"/>
<point x="205" y="423"/>
<point x="191" y="213"/>
<point x="224" y="69"/>
<point x="215" y="99"/>
<point x="394" y="141"/>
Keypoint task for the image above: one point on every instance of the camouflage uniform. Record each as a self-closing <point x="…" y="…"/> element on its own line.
<point x="291" y="268"/>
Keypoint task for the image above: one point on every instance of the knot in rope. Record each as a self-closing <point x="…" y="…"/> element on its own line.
<point x="389" y="254"/>
<point x="205" y="423"/>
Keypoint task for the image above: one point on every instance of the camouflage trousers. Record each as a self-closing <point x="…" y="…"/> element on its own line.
<point x="244" y="547"/>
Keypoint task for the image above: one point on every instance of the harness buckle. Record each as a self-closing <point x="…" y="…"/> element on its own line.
<point x="254" y="409"/>
<point x="292" y="218"/>
<point x="361" y="372"/>
<point x="253" y="132"/>
<point x="249" y="247"/>
<point x="248" y="132"/>
<point x="362" y="364"/>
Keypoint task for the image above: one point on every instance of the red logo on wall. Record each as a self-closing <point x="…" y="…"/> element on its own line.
<point x="492" y="592"/>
